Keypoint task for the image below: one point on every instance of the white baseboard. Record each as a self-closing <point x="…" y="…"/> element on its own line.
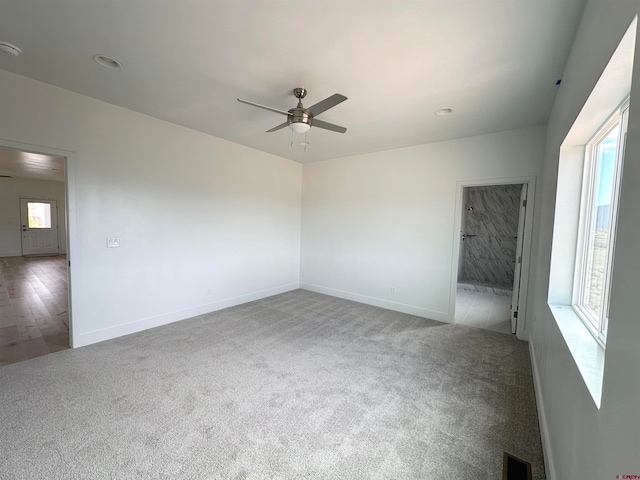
<point x="379" y="302"/>
<point x="542" y="418"/>
<point x="116" y="331"/>
<point x="19" y="254"/>
<point x="10" y="254"/>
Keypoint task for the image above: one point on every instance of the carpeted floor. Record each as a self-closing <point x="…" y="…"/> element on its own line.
<point x="300" y="385"/>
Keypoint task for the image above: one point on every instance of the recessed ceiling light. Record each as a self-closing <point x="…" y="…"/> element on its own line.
<point x="10" y="49"/>
<point x="106" y="61"/>
<point x="444" y="111"/>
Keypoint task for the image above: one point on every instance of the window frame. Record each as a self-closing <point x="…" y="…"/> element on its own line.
<point x="597" y="324"/>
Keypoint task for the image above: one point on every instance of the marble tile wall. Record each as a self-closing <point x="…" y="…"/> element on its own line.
<point x="488" y="289"/>
<point x="491" y="214"/>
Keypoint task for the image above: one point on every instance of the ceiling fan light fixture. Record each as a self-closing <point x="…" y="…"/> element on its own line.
<point x="300" y="127"/>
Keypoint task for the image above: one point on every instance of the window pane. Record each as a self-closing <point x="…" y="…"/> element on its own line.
<point x="39" y="215"/>
<point x="604" y="184"/>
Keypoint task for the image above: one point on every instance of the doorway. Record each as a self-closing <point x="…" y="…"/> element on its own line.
<point x="493" y="231"/>
<point x="34" y="276"/>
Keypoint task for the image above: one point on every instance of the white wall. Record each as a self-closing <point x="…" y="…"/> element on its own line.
<point x="583" y="441"/>
<point x="193" y="212"/>
<point x="11" y="191"/>
<point x="386" y="219"/>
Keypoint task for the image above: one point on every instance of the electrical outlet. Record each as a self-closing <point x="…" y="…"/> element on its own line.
<point x="304" y="275"/>
<point x="113" y="242"/>
<point x="394" y="290"/>
<point x="207" y="292"/>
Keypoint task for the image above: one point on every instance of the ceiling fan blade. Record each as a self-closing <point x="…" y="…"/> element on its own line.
<point x="328" y="126"/>
<point x="326" y="104"/>
<point x="282" y="125"/>
<point x="271" y="109"/>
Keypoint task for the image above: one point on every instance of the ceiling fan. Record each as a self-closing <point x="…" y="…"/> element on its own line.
<point x="300" y="119"/>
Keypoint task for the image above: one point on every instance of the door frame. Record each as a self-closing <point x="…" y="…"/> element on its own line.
<point x="69" y="212"/>
<point x="522" y="330"/>
<point x="517" y="271"/>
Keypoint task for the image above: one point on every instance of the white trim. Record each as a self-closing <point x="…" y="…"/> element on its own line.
<point x="547" y="452"/>
<point x="522" y="333"/>
<point x="70" y="210"/>
<point x="116" y="331"/>
<point x="587" y="353"/>
<point x="378" y="302"/>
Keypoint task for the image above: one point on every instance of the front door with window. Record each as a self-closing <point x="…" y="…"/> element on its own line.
<point x="39" y="221"/>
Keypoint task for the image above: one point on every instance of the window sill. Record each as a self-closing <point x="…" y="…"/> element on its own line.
<point x="586" y="351"/>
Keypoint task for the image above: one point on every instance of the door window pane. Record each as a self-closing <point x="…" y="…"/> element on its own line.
<point x="39" y="215"/>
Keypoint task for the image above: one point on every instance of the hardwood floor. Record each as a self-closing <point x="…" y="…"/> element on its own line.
<point x="34" y="316"/>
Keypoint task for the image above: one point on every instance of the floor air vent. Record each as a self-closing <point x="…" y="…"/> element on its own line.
<point x="515" y="469"/>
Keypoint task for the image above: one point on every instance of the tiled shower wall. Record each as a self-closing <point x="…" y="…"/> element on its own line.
<point x="491" y="214"/>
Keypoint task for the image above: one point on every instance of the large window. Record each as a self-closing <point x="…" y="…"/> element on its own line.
<point x="598" y="210"/>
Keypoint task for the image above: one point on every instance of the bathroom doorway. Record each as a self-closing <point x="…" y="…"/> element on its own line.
<point x="491" y="252"/>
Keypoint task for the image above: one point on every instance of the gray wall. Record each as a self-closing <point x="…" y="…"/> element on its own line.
<point x="491" y="214"/>
<point x="388" y="219"/>
<point x="203" y="223"/>
<point x="583" y="441"/>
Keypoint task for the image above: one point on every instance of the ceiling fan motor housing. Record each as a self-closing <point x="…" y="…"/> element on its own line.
<point x="299" y="115"/>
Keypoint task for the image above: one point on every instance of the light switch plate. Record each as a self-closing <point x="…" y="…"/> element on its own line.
<point x="113" y="242"/>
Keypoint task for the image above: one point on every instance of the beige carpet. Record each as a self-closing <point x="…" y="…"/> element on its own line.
<point x="299" y="385"/>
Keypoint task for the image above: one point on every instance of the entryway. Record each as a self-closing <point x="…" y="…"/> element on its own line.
<point x="492" y="231"/>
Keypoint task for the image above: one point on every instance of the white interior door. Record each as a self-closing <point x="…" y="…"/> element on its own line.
<point x="39" y="220"/>
<point x="515" y="299"/>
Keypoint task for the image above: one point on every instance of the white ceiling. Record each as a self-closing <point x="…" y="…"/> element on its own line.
<point x="17" y="164"/>
<point x="495" y="62"/>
